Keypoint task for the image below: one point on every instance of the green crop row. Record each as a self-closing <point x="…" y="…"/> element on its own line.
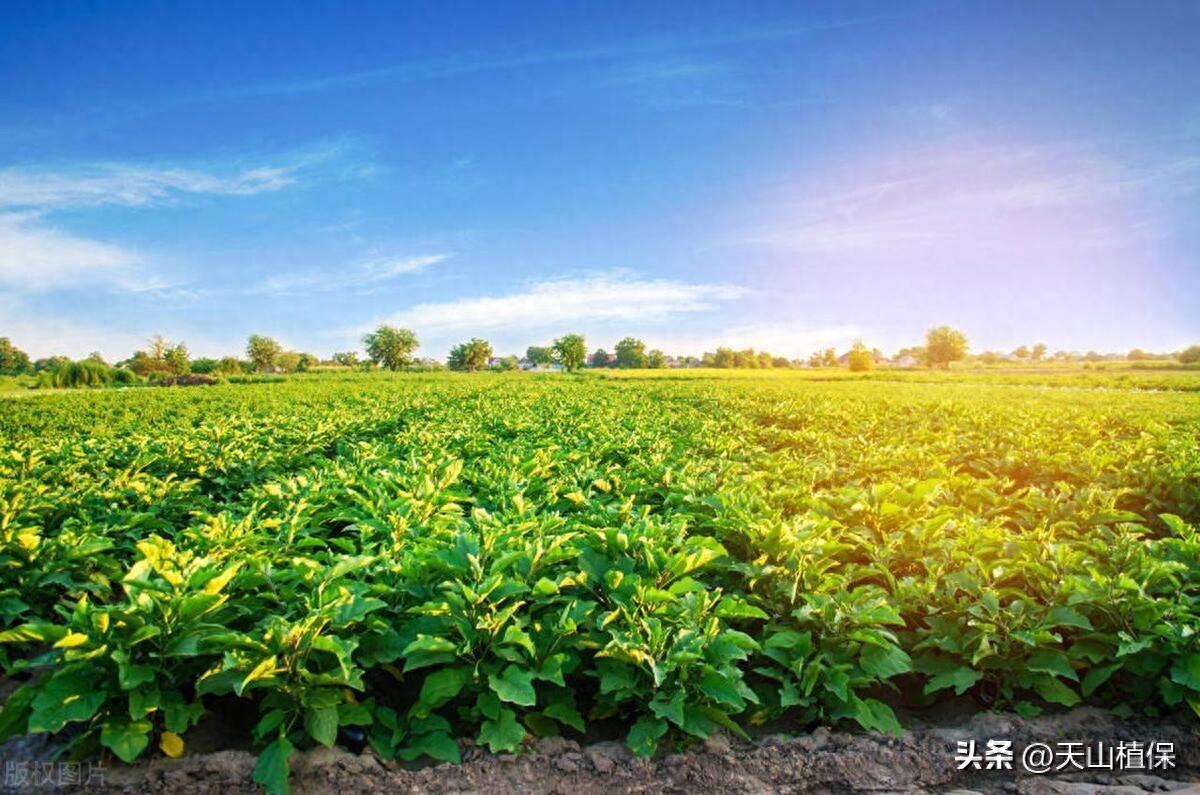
<point x="423" y="560"/>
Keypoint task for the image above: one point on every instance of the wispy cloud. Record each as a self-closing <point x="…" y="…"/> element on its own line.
<point x="36" y="257"/>
<point x="114" y="183"/>
<point x="367" y="273"/>
<point x="963" y="201"/>
<point x="36" y="254"/>
<point x="618" y="295"/>
<point x="440" y="68"/>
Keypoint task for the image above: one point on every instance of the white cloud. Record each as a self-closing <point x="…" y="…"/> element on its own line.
<point x="34" y="256"/>
<point x="122" y="184"/>
<point x="364" y="274"/>
<point x="902" y="208"/>
<point x="568" y="303"/>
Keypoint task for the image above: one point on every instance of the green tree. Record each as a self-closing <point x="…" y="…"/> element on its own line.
<point x="391" y="347"/>
<point x="599" y="358"/>
<point x="229" y="365"/>
<point x="944" y="345"/>
<point x="506" y="363"/>
<point x="1191" y="355"/>
<point x="860" y="359"/>
<point x="177" y="358"/>
<point x="631" y="353"/>
<point x="539" y="355"/>
<point x="829" y="358"/>
<point x="724" y="358"/>
<point x="289" y="361"/>
<point x="346" y="359"/>
<point x="13" y="360"/>
<point x="471" y="355"/>
<point x="1038" y="352"/>
<point x="263" y="353"/>
<point x="1021" y="352"/>
<point x="570" y="351"/>
<point x="655" y="359"/>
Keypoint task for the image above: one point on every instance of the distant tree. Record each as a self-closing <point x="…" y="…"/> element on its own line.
<point x="307" y="362"/>
<point x="263" y="353"/>
<point x="655" y="359"/>
<point x="177" y="358"/>
<point x="1137" y="355"/>
<point x="829" y="358"/>
<point x="539" y="356"/>
<point x="631" y="353"/>
<point x="157" y="349"/>
<point x="724" y="357"/>
<point x="780" y="361"/>
<point x="708" y="359"/>
<point x="1190" y="355"/>
<point x="1021" y="352"/>
<point x="1093" y="356"/>
<point x="989" y="357"/>
<point x="860" y="359"/>
<point x="346" y="358"/>
<point x="471" y="355"/>
<point x="599" y="358"/>
<point x="570" y="351"/>
<point x="506" y="363"/>
<point x="1038" y="352"/>
<point x="816" y="359"/>
<point x="229" y="365"/>
<point x="288" y="361"/>
<point x="391" y="347"/>
<point x="944" y="345"/>
<point x="203" y="365"/>
<point x="13" y="360"/>
<point x="50" y="364"/>
<point x="98" y="358"/>
<point x="765" y="360"/>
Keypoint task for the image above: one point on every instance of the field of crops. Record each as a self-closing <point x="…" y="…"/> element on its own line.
<point x="426" y="560"/>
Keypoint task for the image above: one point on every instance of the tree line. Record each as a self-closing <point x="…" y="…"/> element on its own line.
<point x="391" y="348"/>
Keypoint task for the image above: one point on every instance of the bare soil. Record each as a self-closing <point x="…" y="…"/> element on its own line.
<point x="822" y="761"/>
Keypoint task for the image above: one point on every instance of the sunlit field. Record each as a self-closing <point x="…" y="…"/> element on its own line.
<point x="422" y="560"/>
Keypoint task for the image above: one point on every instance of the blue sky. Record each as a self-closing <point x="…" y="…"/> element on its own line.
<point x="778" y="175"/>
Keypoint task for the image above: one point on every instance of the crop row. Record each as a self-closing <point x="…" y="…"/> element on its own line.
<point x="426" y="560"/>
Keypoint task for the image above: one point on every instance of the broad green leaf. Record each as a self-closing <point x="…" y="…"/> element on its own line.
<point x="514" y="685"/>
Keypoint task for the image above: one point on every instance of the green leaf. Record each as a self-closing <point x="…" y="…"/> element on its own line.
<point x="1063" y="616"/>
<point x="669" y="708"/>
<point x="1186" y="671"/>
<point x="427" y="650"/>
<point x="1051" y="662"/>
<point x="438" y="745"/>
<point x="1054" y="691"/>
<point x="271" y="771"/>
<point x="565" y="714"/>
<point x="514" y="686"/>
<point x="1098" y="676"/>
<point x="321" y="723"/>
<point x="873" y="714"/>
<point x="439" y="687"/>
<point x="734" y="607"/>
<point x="126" y="739"/>
<point x="502" y="734"/>
<point x="960" y="678"/>
<point x="721" y="690"/>
<point x="884" y="662"/>
<point x="644" y="735"/>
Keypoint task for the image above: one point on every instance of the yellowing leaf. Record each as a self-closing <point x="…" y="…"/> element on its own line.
<point x="171" y="744"/>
